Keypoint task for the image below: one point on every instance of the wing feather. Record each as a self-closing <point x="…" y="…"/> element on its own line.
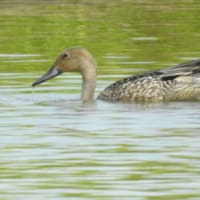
<point x="183" y="69"/>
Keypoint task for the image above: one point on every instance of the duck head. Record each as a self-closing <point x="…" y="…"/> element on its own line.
<point x="75" y="59"/>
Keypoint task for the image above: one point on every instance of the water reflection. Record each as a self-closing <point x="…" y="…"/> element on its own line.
<point x="55" y="147"/>
<point x="157" y="33"/>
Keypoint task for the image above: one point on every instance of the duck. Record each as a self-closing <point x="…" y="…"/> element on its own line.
<point x="175" y="83"/>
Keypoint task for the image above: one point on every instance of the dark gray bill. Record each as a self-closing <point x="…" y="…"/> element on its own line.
<point x="53" y="71"/>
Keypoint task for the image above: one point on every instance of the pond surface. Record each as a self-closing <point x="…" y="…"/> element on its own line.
<point x="53" y="147"/>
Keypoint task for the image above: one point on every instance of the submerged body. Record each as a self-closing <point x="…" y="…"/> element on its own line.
<point x="176" y="83"/>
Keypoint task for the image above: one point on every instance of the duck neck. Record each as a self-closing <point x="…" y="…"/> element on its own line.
<point x="89" y="83"/>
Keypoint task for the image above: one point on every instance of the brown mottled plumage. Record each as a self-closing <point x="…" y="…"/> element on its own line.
<point x="153" y="86"/>
<point x="176" y="83"/>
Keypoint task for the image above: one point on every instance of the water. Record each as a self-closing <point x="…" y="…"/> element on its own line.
<point x="54" y="147"/>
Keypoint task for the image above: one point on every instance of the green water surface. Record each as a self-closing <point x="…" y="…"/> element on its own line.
<point x="54" y="148"/>
<point x="159" y="33"/>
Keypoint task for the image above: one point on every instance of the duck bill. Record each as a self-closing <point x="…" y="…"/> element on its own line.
<point x="52" y="72"/>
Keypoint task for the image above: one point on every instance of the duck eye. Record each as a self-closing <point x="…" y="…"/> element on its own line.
<point x="65" y="55"/>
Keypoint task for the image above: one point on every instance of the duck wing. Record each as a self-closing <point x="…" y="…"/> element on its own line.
<point x="183" y="69"/>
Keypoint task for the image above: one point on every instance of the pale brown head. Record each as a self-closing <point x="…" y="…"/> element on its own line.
<point x="75" y="59"/>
